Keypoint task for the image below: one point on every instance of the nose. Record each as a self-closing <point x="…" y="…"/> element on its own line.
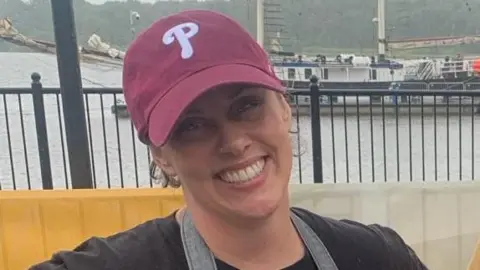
<point x="234" y="140"/>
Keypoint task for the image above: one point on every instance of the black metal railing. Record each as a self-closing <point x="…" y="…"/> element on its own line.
<point x="352" y="136"/>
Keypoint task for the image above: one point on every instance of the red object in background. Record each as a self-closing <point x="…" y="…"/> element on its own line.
<point x="476" y="66"/>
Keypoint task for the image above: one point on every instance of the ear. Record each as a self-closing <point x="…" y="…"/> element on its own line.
<point x="287" y="110"/>
<point x="162" y="162"/>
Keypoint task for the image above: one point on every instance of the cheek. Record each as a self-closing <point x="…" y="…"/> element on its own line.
<point x="193" y="163"/>
<point x="275" y="133"/>
<point x="279" y="138"/>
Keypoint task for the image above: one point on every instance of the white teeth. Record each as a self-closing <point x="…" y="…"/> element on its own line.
<point x="245" y="174"/>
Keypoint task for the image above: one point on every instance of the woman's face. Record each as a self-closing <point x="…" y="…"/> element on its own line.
<point x="232" y="152"/>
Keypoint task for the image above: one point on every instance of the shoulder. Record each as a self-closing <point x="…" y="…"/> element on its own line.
<point x="353" y="245"/>
<point x="137" y="248"/>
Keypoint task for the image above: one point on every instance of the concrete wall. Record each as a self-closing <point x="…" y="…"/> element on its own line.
<point x="440" y="221"/>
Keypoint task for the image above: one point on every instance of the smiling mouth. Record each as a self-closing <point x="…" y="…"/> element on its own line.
<point x="243" y="175"/>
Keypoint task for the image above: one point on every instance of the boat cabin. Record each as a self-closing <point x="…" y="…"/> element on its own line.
<point x="457" y="67"/>
<point x="343" y="68"/>
<point x="454" y="69"/>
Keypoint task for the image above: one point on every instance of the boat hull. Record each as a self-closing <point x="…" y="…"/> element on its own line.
<point x="427" y="110"/>
<point x="471" y="83"/>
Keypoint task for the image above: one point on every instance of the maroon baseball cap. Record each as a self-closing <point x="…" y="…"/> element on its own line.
<point x="180" y="57"/>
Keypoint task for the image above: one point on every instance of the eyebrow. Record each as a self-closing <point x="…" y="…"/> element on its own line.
<point x="232" y="95"/>
<point x="237" y="92"/>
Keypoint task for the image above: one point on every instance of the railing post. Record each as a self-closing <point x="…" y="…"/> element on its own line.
<point x="72" y="93"/>
<point x="316" y="134"/>
<point x="42" y="136"/>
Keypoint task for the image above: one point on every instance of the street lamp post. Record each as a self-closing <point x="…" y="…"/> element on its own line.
<point x="134" y="18"/>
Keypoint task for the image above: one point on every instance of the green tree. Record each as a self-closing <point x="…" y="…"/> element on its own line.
<point x="309" y="24"/>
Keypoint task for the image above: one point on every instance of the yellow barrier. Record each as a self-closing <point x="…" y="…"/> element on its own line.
<point x="436" y="219"/>
<point x="475" y="262"/>
<point x="35" y="224"/>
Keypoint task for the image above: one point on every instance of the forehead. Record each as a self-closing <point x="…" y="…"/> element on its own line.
<point x="220" y="95"/>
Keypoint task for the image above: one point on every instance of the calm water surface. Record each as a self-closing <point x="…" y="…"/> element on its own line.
<point x="353" y="149"/>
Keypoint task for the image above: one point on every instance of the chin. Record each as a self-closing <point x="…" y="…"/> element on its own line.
<point x="260" y="209"/>
<point x="259" y="206"/>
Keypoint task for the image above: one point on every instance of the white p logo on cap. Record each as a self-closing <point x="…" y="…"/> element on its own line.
<point x="182" y="33"/>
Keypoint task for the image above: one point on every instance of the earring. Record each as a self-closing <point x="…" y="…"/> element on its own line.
<point x="175" y="181"/>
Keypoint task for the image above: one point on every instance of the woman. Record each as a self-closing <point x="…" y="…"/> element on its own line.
<point x="203" y="96"/>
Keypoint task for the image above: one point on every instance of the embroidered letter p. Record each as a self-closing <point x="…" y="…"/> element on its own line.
<point x="182" y="34"/>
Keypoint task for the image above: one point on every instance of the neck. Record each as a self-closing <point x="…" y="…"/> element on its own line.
<point x="251" y="244"/>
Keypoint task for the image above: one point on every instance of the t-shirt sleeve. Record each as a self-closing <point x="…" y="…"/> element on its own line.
<point x="399" y="254"/>
<point x="93" y="254"/>
<point x="354" y="245"/>
<point x="387" y="245"/>
<point x="137" y="248"/>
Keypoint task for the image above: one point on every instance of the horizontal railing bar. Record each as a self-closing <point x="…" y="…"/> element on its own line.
<point x="326" y="104"/>
<point x="47" y="90"/>
<point x="14" y="91"/>
<point x="381" y="92"/>
<point x="299" y="92"/>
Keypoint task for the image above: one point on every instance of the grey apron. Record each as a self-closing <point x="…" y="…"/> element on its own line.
<point x="199" y="256"/>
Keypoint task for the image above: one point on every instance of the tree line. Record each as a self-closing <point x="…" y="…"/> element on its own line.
<point x="307" y="24"/>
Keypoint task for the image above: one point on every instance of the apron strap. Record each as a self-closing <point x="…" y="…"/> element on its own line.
<point x="199" y="256"/>
<point x="314" y="244"/>
<point x="196" y="250"/>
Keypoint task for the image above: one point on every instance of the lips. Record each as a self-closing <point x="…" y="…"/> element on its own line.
<point x="245" y="174"/>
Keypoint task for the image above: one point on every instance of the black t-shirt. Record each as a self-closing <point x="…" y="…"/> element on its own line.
<point x="306" y="263"/>
<point x="157" y="245"/>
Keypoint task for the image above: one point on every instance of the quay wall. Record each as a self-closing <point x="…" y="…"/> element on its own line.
<point x="414" y="110"/>
<point x="441" y="221"/>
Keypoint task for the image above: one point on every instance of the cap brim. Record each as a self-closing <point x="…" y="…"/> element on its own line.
<point x="171" y="106"/>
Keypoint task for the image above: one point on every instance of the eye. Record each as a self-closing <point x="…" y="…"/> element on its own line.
<point x="191" y="124"/>
<point x="193" y="129"/>
<point x="246" y="104"/>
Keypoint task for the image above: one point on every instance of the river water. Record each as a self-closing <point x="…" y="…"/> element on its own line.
<point x="353" y="148"/>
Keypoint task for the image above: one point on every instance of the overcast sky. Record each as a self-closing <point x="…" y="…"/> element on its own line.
<point x="103" y="1"/>
<point x="99" y="2"/>
<point x="145" y="1"/>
